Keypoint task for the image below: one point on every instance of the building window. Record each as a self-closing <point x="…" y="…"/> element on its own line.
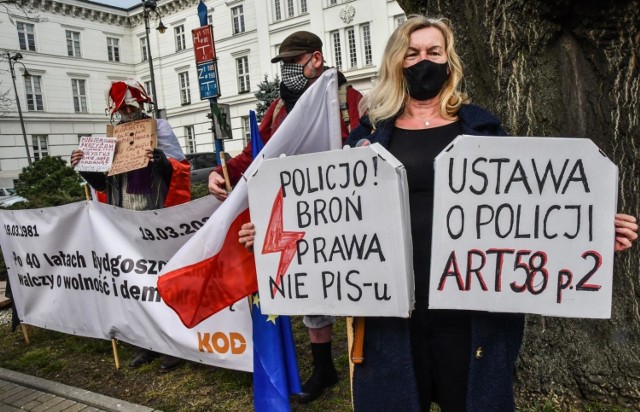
<point x="290" y="9"/>
<point x="34" y="93"/>
<point x="113" y="49"/>
<point x="79" y="95"/>
<point x="242" y="67"/>
<point x="337" y="49"/>
<point x="366" y="41"/>
<point x="333" y="2"/>
<point x="277" y="10"/>
<point x="73" y="43"/>
<point x="25" y="36"/>
<point x="40" y="147"/>
<point x="246" y="130"/>
<point x="180" y="40"/>
<point x="190" y="139"/>
<point x="149" y="90"/>
<point x="185" y="93"/>
<point x="143" y="49"/>
<point x="400" y="20"/>
<point x="237" y="15"/>
<point x="351" y="42"/>
<point x="209" y="18"/>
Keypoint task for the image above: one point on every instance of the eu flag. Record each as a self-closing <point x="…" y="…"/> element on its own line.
<point x="256" y="139"/>
<point x="275" y="366"/>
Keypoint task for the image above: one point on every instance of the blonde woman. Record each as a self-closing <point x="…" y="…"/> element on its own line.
<point x="462" y="360"/>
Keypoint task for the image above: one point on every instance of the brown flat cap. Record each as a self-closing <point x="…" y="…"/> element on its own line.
<point x="298" y="43"/>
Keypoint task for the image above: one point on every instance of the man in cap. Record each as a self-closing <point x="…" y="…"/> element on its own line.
<point x="166" y="181"/>
<point x="302" y="63"/>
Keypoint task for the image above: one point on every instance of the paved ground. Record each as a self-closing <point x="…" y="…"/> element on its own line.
<point x="20" y="392"/>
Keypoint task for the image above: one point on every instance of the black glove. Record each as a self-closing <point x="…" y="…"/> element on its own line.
<point x="161" y="163"/>
<point x="159" y="156"/>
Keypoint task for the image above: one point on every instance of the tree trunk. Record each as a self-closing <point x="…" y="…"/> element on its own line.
<point x="565" y="68"/>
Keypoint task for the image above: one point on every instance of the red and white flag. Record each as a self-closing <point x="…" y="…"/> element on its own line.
<point x="213" y="270"/>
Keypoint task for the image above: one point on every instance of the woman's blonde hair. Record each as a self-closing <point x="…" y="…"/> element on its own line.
<point x="389" y="95"/>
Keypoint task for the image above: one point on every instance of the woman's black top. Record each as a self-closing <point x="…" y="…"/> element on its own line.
<point x="417" y="149"/>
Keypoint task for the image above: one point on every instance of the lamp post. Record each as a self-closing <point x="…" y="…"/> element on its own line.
<point x="148" y="7"/>
<point x="12" y="62"/>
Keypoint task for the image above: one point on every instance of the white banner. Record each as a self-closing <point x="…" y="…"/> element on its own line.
<point x="525" y="225"/>
<point x="91" y="269"/>
<point x="337" y="240"/>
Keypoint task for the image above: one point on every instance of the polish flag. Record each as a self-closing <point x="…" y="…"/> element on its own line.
<point x="213" y="270"/>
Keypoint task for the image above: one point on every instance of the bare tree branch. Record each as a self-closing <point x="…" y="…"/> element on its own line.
<point x="20" y="9"/>
<point x="6" y="102"/>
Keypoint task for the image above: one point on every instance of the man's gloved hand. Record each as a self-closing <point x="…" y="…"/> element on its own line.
<point x="158" y="156"/>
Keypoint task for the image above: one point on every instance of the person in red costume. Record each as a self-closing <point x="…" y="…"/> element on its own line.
<point x="302" y="63"/>
<point x="166" y="181"/>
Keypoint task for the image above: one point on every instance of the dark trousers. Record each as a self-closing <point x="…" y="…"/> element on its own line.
<point x="441" y="346"/>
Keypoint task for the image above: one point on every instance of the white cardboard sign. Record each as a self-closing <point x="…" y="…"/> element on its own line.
<point x="524" y="225"/>
<point x="97" y="153"/>
<point x="332" y="234"/>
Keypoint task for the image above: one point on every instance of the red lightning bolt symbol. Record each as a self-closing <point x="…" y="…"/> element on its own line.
<point x="277" y="240"/>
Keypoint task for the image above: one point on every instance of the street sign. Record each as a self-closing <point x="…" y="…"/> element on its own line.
<point x="208" y="80"/>
<point x="206" y="63"/>
<point x="203" y="45"/>
<point x="223" y="129"/>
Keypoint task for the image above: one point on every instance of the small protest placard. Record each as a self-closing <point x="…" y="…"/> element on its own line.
<point x="523" y="225"/>
<point x="332" y="234"/>
<point x="98" y="153"/>
<point x="132" y="141"/>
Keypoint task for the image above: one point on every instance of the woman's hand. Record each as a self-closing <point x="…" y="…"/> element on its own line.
<point x="247" y="235"/>
<point x="76" y="155"/>
<point x="626" y="231"/>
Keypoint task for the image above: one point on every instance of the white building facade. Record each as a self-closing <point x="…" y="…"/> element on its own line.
<point x="76" y="48"/>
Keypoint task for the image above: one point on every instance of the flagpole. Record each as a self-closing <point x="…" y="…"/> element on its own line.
<point x="114" y="347"/>
<point x="25" y="334"/>
<point x="225" y="172"/>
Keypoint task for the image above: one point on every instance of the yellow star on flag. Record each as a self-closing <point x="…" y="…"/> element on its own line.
<point x="272" y="318"/>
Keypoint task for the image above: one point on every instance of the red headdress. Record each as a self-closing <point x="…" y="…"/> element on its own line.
<point x="126" y="93"/>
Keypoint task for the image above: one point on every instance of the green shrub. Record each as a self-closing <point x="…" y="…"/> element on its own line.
<point x="199" y="190"/>
<point x="49" y="182"/>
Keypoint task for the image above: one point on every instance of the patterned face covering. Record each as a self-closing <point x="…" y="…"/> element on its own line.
<point x="129" y="117"/>
<point x="293" y="76"/>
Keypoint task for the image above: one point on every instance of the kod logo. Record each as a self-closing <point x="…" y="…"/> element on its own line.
<point x="220" y="342"/>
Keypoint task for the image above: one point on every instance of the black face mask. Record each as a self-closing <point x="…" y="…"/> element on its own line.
<point x="425" y="79"/>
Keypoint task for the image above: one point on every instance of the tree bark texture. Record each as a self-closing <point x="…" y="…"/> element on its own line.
<point x="565" y="68"/>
